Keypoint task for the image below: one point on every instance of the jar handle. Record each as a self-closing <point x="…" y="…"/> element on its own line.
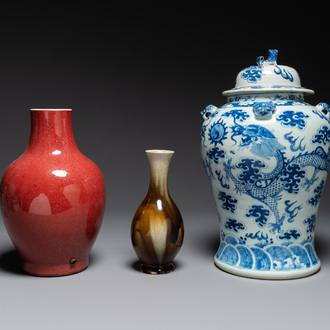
<point x="324" y="107"/>
<point x="264" y="110"/>
<point x="208" y="111"/>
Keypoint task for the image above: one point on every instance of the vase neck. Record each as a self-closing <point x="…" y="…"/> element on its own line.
<point x="51" y="131"/>
<point x="278" y="97"/>
<point x="159" y="161"/>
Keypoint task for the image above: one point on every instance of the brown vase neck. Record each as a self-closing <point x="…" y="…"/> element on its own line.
<point x="159" y="161"/>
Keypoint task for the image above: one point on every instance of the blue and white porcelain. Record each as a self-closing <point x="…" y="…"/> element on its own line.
<point x="266" y="153"/>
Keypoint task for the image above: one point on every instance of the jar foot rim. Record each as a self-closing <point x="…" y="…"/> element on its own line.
<point x="270" y="274"/>
<point x="158" y="269"/>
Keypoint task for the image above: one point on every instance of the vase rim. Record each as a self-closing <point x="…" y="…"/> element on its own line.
<point x="160" y="151"/>
<point x="41" y="109"/>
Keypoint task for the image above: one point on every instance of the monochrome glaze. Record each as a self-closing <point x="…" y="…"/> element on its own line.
<point x="266" y="154"/>
<point x="53" y="198"/>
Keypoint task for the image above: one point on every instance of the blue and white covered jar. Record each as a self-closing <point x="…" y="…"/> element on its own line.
<point x="266" y="153"/>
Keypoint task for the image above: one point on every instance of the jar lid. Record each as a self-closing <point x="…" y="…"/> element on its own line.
<point x="268" y="76"/>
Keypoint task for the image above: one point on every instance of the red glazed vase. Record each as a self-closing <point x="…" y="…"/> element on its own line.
<point x="52" y="198"/>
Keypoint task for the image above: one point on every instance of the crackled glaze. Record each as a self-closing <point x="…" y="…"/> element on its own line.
<point x="266" y="154"/>
<point x="52" y="198"/>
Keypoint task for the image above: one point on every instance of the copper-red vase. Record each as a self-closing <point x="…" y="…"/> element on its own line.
<point x="53" y="198"/>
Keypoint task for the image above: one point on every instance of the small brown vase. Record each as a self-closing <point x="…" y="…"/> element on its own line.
<point x="157" y="226"/>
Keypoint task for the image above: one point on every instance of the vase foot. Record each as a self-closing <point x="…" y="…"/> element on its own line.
<point x="270" y="274"/>
<point x="157" y="270"/>
<point x="271" y="262"/>
<point x="72" y="267"/>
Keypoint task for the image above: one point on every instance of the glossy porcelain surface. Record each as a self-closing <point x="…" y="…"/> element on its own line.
<point x="266" y="154"/>
<point x="268" y="76"/>
<point x="157" y="227"/>
<point x="53" y="198"/>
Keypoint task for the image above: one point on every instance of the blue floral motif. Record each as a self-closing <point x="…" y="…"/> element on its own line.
<point x="252" y="74"/>
<point x="293" y="118"/>
<point x="233" y="224"/>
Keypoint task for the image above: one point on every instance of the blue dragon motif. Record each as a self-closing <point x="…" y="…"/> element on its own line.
<point x="288" y="175"/>
<point x="273" y="186"/>
<point x="261" y="141"/>
<point x="221" y="179"/>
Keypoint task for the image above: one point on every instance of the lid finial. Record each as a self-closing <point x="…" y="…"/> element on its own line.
<point x="272" y="56"/>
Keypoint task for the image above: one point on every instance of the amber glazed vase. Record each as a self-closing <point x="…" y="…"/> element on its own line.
<point x="157" y="226"/>
<point x="52" y="198"/>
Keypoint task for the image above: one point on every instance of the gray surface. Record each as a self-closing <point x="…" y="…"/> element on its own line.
<point x="137" y="78"/>
<point x="112" y="294"/>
